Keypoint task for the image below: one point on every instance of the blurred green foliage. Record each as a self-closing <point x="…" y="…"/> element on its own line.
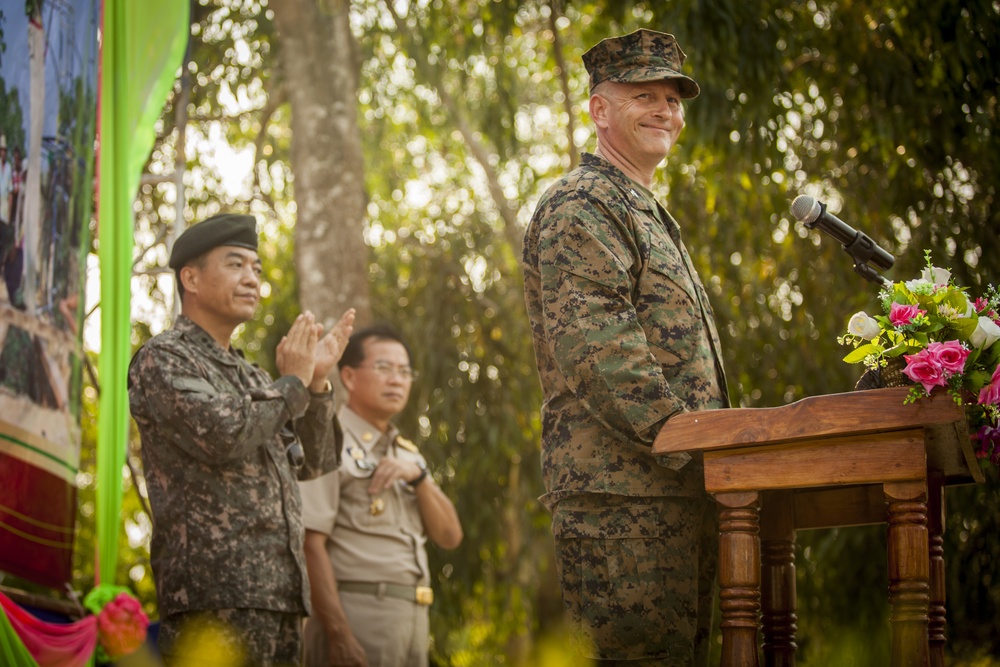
<point x="886" y="113"/>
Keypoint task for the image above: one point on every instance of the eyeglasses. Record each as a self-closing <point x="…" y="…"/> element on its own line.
<point x="386" y="370"/>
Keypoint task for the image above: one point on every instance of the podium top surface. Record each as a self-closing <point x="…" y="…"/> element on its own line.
<point x="816" y="418"/>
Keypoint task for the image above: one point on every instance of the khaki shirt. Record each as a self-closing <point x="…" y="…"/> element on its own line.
<point x="624" y="336"/>
<point x="371" y="538"/>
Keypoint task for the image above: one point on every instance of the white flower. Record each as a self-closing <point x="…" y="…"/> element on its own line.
<point x="936" y="275"/>
<point x="970" y="308"/>
<point x="920" y="286"/>
<point x="863" y="325"/>
<point x="987" y="332"/>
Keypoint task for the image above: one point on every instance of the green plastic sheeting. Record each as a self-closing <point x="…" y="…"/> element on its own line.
<point x="143" y="47"/>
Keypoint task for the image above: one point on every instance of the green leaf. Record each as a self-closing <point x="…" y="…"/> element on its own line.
<point x="991" y="355"/>
<point x="964" y="326"/>
<point x="860" y="353"/>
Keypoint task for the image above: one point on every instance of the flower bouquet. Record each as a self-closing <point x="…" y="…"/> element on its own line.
<point x="944" y="340"/>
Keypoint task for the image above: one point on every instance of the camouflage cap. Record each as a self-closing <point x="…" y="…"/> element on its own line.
<point x="644" y="55"/>
<point x="223" y="229"/>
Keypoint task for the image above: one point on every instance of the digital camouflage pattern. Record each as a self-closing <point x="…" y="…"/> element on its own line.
<point x="235" y="637"/>
<point x="227" y="525"/>
<point x="644" y="55"/>
<point x="624" y="336"/>
<point x="638" y="576"/>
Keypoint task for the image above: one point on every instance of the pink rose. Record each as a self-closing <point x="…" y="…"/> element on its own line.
<point x="901" y="315"/>
<point x="980" y="304"/>
<point x="990" y="394"/>
<point x="950" y="356"/>
<point x="924" y="369"/>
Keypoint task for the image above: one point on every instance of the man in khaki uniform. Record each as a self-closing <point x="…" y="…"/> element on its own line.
<point x="368" y="523"/>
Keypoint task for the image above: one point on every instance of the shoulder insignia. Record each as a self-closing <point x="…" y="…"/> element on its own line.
<point x="407" y="445"/>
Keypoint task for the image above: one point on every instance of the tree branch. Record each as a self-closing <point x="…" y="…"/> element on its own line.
<point x="507" y="210"/>
<point x="273" y="103"/>
<point x="557" y="51"/>
<point x="160" y="236"/>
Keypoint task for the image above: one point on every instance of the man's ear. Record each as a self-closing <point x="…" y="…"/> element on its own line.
<point x="599" y="110"/>
<point x="348" y="376"/>
<point x="189" y="276"/>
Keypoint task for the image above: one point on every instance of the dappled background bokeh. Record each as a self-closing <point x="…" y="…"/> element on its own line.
<point x="393" y="153"/>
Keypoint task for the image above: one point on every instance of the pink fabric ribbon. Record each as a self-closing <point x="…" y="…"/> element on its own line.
<point x="53" y="644"/>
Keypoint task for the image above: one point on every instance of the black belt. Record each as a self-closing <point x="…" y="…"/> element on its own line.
<point x="422" y="595"/>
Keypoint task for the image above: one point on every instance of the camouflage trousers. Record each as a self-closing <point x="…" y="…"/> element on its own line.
<point x="638" y="577"/>
<point x="231" y="637"/>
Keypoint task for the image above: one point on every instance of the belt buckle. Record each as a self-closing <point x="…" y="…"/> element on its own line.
<point x="424" y="595"/>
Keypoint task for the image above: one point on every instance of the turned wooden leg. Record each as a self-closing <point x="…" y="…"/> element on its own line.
<point x="778" y="579"/>
<point x="935" y="524"/>
<point x="909" y="572"/>
<point x="739" y="577"/>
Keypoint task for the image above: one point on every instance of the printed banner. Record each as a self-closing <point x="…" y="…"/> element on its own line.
<point x="48" y="121"/>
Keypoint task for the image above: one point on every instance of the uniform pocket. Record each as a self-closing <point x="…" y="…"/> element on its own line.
<point x="667" y="265"/>
<point x="616" y="520"/>
<point x="193" y="385"/>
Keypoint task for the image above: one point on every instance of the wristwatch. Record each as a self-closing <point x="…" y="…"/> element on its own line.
<point x="418" y="480"/>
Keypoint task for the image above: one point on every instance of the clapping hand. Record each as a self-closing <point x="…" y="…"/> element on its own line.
<point x="309" y="355"/>
<point x="296" y="351"/>
<point x="329" y="348"/>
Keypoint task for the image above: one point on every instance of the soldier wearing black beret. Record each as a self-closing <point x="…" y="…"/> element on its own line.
<point x="223" y="445"/>
<point x="625" y="338"/>
<point x="223" y="229"/>
<point x="229" y="229"/>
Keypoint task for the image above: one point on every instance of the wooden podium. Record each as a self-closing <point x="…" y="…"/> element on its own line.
<point x="837" y="460"/>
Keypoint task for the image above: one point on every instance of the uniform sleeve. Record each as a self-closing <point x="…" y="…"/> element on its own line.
<point x="320" y="502"/>
<point x="321" y="436"/>
<point x="585" y="254"/>
<point x="213" y="425"/>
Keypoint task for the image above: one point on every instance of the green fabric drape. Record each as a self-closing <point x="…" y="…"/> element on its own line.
<point x="142" y="47"/>
<point x="13" y="652"/>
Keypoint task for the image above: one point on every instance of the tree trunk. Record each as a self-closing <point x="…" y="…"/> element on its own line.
<point x="319" y="69"/>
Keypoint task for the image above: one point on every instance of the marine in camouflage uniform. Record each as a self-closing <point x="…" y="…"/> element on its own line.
<point x="227" y="528"/>
<point x="624" y="338"/>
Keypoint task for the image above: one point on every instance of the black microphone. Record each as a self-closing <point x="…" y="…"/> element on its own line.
<point x="857" y="244"/>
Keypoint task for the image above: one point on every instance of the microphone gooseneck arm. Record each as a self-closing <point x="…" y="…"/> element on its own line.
<point x="858" y="245"/>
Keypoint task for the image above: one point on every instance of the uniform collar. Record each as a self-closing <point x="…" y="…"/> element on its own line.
<point x="361" y="432"/>
<point x="190" y="331"/>
<point x="626" y="185"/>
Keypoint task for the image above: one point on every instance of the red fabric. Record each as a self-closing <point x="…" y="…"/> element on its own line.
<point x="53" y="644"/>
<point x="37" y="516"/>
